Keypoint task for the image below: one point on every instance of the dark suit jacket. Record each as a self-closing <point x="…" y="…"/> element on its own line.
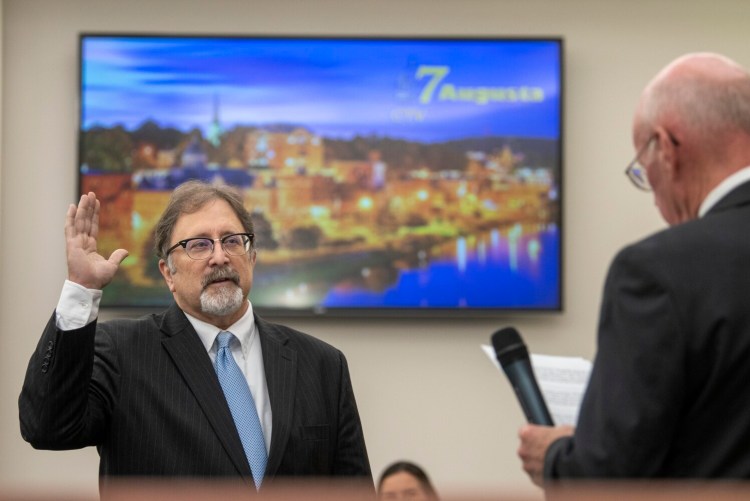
<point x="146" y="394"/>
<point x="668" y="395"/>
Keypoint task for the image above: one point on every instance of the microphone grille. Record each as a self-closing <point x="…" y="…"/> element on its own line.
<point x="508" y="345"/>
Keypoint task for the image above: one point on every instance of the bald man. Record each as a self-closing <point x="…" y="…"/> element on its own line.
<point x="668" y="395"/>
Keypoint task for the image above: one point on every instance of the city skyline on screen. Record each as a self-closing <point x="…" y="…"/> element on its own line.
<point x="381" y="173"/>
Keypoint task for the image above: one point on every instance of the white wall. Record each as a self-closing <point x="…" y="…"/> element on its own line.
<point x="425" y="390"/>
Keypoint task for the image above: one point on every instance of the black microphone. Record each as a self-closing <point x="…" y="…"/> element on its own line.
<point x="513" y="356"/>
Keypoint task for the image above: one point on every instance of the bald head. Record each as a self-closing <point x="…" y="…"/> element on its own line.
<point x="699" y="94"/>
<point x="695" y="115"/>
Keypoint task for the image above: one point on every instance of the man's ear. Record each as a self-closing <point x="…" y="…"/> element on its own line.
<point x="667" y="152"/>
<point x="167" y="274"/>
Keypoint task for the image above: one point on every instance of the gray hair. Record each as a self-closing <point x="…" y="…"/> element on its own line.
<point x="190" y="197"/>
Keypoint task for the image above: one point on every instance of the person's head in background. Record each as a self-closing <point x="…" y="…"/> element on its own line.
<point x="405" y="480"/>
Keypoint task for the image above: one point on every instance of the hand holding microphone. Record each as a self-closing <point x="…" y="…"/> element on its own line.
<point x="513" y="357"/>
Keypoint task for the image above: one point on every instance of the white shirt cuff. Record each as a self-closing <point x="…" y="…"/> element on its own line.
<point x="78" y="306"/>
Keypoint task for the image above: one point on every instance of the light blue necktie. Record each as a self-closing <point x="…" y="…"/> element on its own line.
<point x="242" y="405"/>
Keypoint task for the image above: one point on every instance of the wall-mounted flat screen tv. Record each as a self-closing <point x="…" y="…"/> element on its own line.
<point x="385" y="175"/>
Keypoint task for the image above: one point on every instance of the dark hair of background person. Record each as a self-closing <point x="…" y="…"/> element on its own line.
<point x="414" y="470"/>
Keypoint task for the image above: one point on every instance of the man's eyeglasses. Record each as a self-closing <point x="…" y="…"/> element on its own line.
<point x="636" y="172"/>
<point x="236" y="244"/>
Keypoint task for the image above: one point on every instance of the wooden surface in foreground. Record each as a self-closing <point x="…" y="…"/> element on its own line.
<point x="149" y="489"/>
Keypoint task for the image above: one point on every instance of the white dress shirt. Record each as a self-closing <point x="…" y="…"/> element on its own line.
<point x="79" y="306"/>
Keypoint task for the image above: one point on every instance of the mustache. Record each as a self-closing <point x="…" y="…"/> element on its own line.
<point x="226" y="273"/>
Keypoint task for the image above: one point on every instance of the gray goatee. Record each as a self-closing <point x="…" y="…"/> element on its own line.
<point x="223" y="300"/>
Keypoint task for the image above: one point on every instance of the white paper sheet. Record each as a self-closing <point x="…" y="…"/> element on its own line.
<point x="562" y="381"/>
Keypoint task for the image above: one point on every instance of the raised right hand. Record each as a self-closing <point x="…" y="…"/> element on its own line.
<point x="86" y="266"/>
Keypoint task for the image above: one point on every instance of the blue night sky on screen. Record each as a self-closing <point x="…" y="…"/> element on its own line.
<point x="421" y="90"/>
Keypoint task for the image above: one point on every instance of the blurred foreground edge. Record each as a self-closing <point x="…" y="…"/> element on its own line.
<point x="329" y="490"/>
<point x="649" y="490"/>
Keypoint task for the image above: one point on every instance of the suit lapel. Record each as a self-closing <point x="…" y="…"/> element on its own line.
<point x="280" y="365"/>
<point x="189" y="355"/>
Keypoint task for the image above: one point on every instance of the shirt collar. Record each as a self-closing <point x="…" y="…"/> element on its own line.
<point x="243" y="329"/>
<point x="722" y="189"/>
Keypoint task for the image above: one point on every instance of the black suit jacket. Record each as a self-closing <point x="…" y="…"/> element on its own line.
<point x="145" y="393"/>
<point x="668" y="395"/>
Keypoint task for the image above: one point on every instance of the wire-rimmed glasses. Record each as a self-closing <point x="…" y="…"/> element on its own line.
<point x="636" y="172"/>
